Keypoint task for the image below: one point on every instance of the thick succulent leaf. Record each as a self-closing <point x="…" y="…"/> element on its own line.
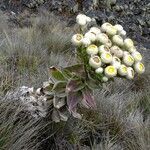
<point x="88" y="98"/>
<point x="55" y="116"/>
<point x="74" y="86"/>
<point x="47" y="88"/>
<point x="59" y="88"/>
<point x="92" y="83"/>
<point x="56" y="74"/>
<point x="75" y="70"/>
<point x="58" y="102"/>
<point x="73" y="98"/>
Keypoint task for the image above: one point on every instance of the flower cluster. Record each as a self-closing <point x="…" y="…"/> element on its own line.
<point x="109" y="51"/>
<point x="105" y="53"/>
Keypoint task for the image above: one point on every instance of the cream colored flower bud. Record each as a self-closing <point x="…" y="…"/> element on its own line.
<point x="128" y="43"/>
<point x="122" y="33"/>
<point x="116" y="51"/>
<point x="104" y="79"/>
<point x="99" y="70"/>
<point x="139" y="67"/>
<point x="103" y="48"/>
<point x="80" y="16"/>
<point x="86" y="41"/>
<point x="81" y="19"/>
<point x="122" y="70"/>
<point x="102" y="38"/>
<point x="128" y="60"/>
<point x="90" y="36"/>
<point x="109" y="43"/>
<point x="81" y="22"/>
<point x="110" y="71"/>
<point x="95" y="30"/>
<point x="88" y="19"/>
<point x="116" y="62"/>
<point x="106" y="57"/>
<point x="132" y="49"/>
<point x="125" y="53"/>
<point x="130" y="73"/>
<point x="105" y="26"/>
<point x="137" y="56"/>
<point x="111" y="31"/>
<point x="118" y="40"/>
<point x="118" y="27"/>
<point x="95" y="62"/>
<point x="76" y="39"/>
<point x="92" y="49"/>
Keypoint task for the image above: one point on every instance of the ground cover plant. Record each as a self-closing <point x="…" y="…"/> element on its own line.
<point x="120" y="121"/>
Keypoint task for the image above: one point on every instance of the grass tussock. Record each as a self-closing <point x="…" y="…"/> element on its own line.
<point x="121" y="121"/>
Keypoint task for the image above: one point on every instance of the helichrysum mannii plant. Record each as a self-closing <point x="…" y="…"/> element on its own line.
<point x="102" y="53"/>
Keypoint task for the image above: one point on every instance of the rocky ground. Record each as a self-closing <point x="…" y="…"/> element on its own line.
<point x="134" y="15"/>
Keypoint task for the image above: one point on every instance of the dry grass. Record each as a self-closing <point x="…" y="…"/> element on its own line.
<point x="121" y="121"/>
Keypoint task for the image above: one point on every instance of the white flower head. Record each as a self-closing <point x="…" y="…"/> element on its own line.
<point x="99" y="70"/>
<point x="130" y="73"/>
<point x="118" y="27"/>
<point x="105" y="26"/>
<point x="109" y="43"/>
<point x="132" y="49"/>
<point x="122" y="70"/>
<point x="103" y="48"/>
<point x="95" y="30"/>
<point x="88" y="19"/>
<point x="122" y="33"/>
<point x="126" y="53"/>
<point x="86" y="41"/>
<point x="116" y="51"/>
<point x="106" y="57"/>
<point x="80" y="16"/>
<point x="137" y="56"/>
<point x="111" y="30"/>
<point x="116" y="62"/>
<point x="139" y="67"/>
<point x="77" y="39"/>
<point x="110" y="71"/>
<point x="102" y="38"/>
<point x="118" y="40"/>
<point x="92" y="49"/>
<point x="128" y="43"/>
<point x="95" y="62"/>
<point x="81" y="19"/>
<point x="128" y="60"/>
<point x="91" y="36"/>
<point x="104" y="79"/>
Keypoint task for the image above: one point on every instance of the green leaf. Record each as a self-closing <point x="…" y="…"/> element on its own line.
<point x="74" y="86"/>
<point x="56" y="74"/>
<point x="92" y="84"/>
<point x="59" y="88"/>
<point x="75" y="70"/>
